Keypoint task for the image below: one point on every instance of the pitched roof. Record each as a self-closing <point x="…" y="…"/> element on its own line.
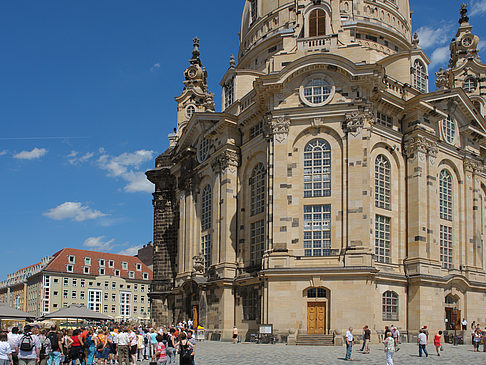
<point x="60" y="262"/>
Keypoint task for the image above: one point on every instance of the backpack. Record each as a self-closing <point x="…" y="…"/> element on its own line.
<point x="54" y="341"/>
<point x="46" y="347"/>
<point x="26" y="343"/>
<point x="186" y="352"/>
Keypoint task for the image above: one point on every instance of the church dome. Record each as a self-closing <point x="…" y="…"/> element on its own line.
<point x="388" y="20"/>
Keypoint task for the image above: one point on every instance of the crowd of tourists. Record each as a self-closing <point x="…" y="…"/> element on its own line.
<point x="391" y="340"/>
<point x="108" y="345"/>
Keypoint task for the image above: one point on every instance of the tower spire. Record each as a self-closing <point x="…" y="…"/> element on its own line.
<point x="195" y="60"/>
<point x="464" y="18"/>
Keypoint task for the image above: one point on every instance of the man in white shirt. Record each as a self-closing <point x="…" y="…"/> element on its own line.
<point x="349" y="343"/>
<point x="422" y="343"/>
<point x="13" y="337"/>
<point x="123" y="347"/>
<point x="464" y="324"/>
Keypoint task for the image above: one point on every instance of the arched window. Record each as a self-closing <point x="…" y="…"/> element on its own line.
<point x="449" y="130"/>
<point x="206" y="208"/>
<point x="257" y="190"/>
<point x="419" y="76"/>
<point x="317" y="169"/>
<point x="445" y="195"/>
<point x="316" y="293"/>
<point x="317" y="23"/>
<point x="390" y="306"/>
<point x="382" y="183"/>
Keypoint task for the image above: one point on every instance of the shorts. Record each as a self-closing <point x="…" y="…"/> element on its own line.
<point x="235" y="336"/>
<point x="133" y="350"/>
<point x="102" y="354"/>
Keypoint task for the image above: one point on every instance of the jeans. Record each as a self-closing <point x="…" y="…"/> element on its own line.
<point x="424" y="349"/>
<point x="15" y="358"/>
<point x="171" y="355"/>
<point x="389" y="358"/>
<point x="364" y="344"/>
<point x="349" y="348"/>
<point x="54" y="358"/>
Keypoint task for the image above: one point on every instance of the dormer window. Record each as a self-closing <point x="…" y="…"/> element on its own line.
<point x="69" y="268"/>
<point x="145" y="276"/>
<point x="131" y="275"/>
<point x="87" y="261"/>
<point x="111" y="264"/>
<point x="317" y="23"/>
<point x="419" y="76"/>
<point x="102" y="271"/>
<point x="102" y="262"/>
<point x="229" y="93"/>
<point x="138" y="267"/>
<point x="125" y="265"/>
<point x="72" y="259"/>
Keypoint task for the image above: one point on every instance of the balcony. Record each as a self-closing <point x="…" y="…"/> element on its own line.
<point x="323" y="43"/>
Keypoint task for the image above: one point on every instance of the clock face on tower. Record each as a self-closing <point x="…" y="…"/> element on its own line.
<point x="467" y="41"/>
<point x="192" y="73"/>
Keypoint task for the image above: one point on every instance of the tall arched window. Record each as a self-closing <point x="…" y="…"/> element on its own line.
<point x="390" y="306"/>
<point x="317" y="169"/>
<point x="206" y="223"/>
<point x="206" y="208"/>
<point x="445" y="202"/>
<point x="257" y="190"/>
<point x="419" y="76"/>
<point x="445" y="195"/>
<point x="317" y="23"/>
<point x="382" y="183"/>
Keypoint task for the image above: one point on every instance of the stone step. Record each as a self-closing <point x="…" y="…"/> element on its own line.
<point x="315" y="340"/>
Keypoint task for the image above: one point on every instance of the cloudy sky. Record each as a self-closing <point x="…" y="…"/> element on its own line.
<point x="86" y="103"/>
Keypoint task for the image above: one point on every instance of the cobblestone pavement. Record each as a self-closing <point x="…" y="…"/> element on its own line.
<point x="217" y="353"/>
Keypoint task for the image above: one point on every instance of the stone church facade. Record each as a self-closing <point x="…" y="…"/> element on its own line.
<point x="334" y="189"/>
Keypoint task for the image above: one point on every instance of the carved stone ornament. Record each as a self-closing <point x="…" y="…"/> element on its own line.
<point x="278" y="128"/>
<point x="356" y="121"/>
<point x="471" y="165"/>
<point x="198" y="263"/>
<point x="227" y="161"/>
<point x="420" y="147"/>
<point x="317" y="122"/>
<point x="442" y="81"/>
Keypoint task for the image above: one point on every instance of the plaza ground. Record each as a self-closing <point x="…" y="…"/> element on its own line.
<point x="218" y="353"/>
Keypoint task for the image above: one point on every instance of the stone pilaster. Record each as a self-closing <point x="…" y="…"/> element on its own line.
<point x="359" y="247"/>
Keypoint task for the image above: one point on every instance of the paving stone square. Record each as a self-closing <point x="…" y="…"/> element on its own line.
<point x="217" y="353"/>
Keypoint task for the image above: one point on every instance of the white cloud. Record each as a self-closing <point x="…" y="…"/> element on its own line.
<point x="477" y="7"/>
<point x="432" y="37"/>
<point x="3" y="153"/>
<point x="127" y="167"/>
<point x="31" y="155"/>
<point x="440" y="56"/>
<point x="98" y="243"/>
<point x="74" y="158"/>
<point x="155" y="67"/>
<point x="74" y="211"/>
<point x="130" y="251"/>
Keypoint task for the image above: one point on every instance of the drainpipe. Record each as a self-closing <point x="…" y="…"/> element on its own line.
<point x="405" y="268"/>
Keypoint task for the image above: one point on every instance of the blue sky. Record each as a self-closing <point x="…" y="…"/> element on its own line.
<point x="86" y="103"/>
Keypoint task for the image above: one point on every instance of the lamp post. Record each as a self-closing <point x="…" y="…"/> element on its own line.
<point x="454" y="313"/>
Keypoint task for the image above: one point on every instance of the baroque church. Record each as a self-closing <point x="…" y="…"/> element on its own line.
<point x="333" y="189"/>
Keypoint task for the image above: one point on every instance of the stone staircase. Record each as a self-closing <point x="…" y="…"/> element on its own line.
<point x="315" y="340"/>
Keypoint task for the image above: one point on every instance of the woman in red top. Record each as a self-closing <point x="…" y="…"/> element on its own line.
<point x="77" y="348"/>
<point x="437" y="343"/>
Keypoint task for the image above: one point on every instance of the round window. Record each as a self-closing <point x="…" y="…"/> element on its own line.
<point x="190" y="110"/>
<point x="203" y="150"/>
<point x="317" y="90"/>
<point x="449" y="130"/>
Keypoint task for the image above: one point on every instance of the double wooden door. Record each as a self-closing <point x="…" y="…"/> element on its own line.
<point x="316" y="318"/>
<point x="451" y="320"/>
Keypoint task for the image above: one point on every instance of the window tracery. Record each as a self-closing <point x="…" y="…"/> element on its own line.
<point x="257" y="190"/>
<point x="317" y="169"/>
<point x="382" y="183"/>
<point x="419" y="76"/>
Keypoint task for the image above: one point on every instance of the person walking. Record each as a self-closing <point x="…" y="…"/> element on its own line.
<point x="56" y="347"/>
<point x="5" y="350"/>
<point x="477" y="339"/>
<point x="90" y="348"/>
<point x="235" y="335"/>
<point x="349" y="343"/>
<point x="13" y="336"/>
<point x="464" y="324"/>
<point x="396" y="337"/>
<point x="437" y="342"/>
<point x="28" y="347"/>
<point x="185" y="350"/>
<point x="389" y="348"/>
<point x="422" y="343"/>
<point x="366" y="340"/>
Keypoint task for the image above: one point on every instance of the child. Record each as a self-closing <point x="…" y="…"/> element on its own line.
<point x="437" y="343"/>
